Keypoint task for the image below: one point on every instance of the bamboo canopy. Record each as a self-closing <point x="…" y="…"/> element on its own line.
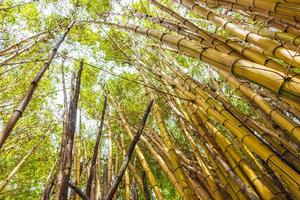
<point x="220" y="81"/>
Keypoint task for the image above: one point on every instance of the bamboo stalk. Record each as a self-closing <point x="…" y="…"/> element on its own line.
<point x="66" y="155"/>
<point x="17" y="114"/>
<point x="145" y="186"/>
<point x="96" y="149"/>
<point x="110" y="157"/>
<point x="243" y="120"/>
<point x="136" y="176"/>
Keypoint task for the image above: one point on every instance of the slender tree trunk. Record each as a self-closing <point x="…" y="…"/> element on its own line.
<point x="95" y="154"/>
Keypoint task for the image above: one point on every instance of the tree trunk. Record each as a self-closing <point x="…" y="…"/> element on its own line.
<point x="66" y="161"/>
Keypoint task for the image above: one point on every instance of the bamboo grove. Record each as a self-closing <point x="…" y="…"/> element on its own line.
<point x="150" y="99"/>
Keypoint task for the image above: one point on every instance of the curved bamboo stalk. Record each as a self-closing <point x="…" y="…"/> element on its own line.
<point x="215" y="42"/>
<point x="276" y="24"/>
<point x="277" y="7"/>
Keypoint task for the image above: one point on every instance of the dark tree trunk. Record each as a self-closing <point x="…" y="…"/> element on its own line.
<point x="66" y="161"/>
<point x="95" y="154"/>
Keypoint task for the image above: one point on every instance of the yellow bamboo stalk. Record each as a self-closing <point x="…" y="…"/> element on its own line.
<point x="236" y="6"/>
<point x="164" y="167"/>
<point x="287" y="37"/>
<point x="229" y="185"/>
<point x="277" y="7"/>
<point x="77" y="166"/>
<point x="219" y="45"/>
<point x="208" y="176"/>
<point x="8" y="178"/>
<point x="275" y="115"/>
<point x="276" y="24"/>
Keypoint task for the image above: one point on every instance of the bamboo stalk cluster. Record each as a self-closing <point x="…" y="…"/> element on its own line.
<point x="216" y="150"/>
